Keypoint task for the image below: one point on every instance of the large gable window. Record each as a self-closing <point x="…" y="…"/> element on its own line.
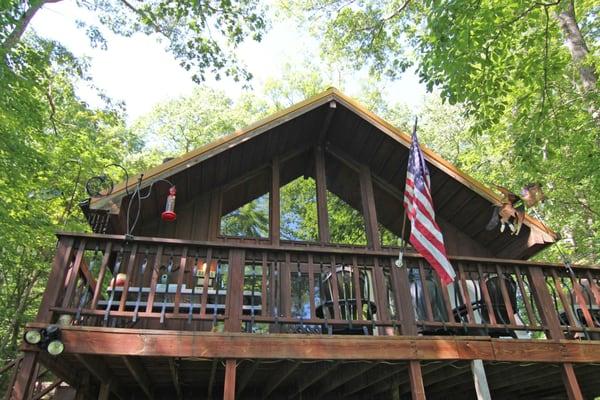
<point x="245" y="208"/>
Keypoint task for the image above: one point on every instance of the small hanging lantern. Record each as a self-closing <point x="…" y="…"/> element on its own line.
<point x="169" y="214"/>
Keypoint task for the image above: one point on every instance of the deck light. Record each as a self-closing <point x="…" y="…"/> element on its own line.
<point x="169" y="214"/>
<point x="33" y="337"/>
<point x="55" y="347"/>
<point x="46" y="339"/>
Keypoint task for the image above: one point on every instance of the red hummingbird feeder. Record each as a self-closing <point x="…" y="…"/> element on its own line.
<point x="169" y="214"/>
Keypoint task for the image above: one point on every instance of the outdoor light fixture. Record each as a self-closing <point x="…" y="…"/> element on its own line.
<point x="33" y="337"/>
<point x="46" y="339"/>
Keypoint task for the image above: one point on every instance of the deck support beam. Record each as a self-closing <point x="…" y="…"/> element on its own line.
<point x="417" y="389"/>
<point x="237" y="345"/>
<point x="25" y="379"/>
<point x="229" y="389"/>
<point x="136" y="369"/>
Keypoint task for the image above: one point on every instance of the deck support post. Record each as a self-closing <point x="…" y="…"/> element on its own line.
<point x="417" y="389"/>
<point x="104" y="393"/>
<point x="480" y="380"/>
<point x="554" y="331"/>
<point x="25" y="377"/>
<point x="229" y="389"/>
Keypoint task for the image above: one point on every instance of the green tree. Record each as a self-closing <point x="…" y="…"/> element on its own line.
<point x="49" y="141"/>
<point x="202" y="35"/>
<point x="525" y="73"/>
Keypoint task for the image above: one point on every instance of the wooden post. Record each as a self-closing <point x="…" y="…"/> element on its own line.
<point x="554" y="331"/>
<point x="235" y="290"/>
<point x="368" y="208"/>
<point x="275" y="206"/>
<point x="25" y="378"/>
<point x="322" y="216"/>
<point x="229" y="390"/>
<point x="417" y="388"/>
<point x="56" y="279"/>
<point x="480" y="380"/>
<point x="104" y="393"/>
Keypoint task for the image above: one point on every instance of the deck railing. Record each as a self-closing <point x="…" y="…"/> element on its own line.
<point x="257" y="288"/>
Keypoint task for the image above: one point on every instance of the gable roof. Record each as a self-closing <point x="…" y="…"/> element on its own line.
<point x="330" y="98"/>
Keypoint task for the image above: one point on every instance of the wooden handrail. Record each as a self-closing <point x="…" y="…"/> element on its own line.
<point x="360" y="290"/>
<point x="313" y="247"/>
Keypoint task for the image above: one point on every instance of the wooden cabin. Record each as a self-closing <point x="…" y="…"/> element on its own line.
<point x="203" y="312"/>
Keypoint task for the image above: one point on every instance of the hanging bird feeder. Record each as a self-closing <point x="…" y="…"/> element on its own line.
<point x="169" y="214"/>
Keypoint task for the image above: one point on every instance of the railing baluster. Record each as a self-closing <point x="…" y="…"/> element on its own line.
<point x="507" y="302"/>
<point x="528" y="305"/>
<point x="445" y="298"/>
<point x="580" y="299"/>
<point x="426" y="296"/>
<point x="252" y="295"/>
<point x="163" y="309"/>
<point x="73" y="275"/>
<point x="311" y="286"/>
<point x="486" y="296"/>
<point x="101" y="274"/>
<point x="143" y="266"/>
<point x="193" y="282"/>
<point x="335" y="289"/>
<point x="182" y="268"/>
<point x="263" y="290"/>
<point x="207" y="267"/>
<point x="465" y="293"/>
<point x="113" y="284"/>
<point x="154" y="281"/>
<point x="130" y="268"/>
<point x="357" y="294"/>
<point x="563" y="299"/>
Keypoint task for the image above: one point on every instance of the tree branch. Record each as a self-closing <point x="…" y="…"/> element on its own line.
<point x="15" y="36"/>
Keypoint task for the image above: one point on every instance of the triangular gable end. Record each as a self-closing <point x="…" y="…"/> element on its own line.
<point x="354" y="136"/>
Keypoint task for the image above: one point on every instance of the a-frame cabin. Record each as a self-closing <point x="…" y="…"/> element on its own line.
<point x="204" y="313"/>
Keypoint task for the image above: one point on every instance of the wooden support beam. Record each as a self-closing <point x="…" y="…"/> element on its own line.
<point x="341" y="378"/>
<point x="275" y="203"/>
<point x="570" y="381"/>
<point x="104" y="393"/>
<point x="321" y="182"/>
<point x="47" y="389"/>
<point x="417" y="389"/>
<point x="136" y="369"/>
<point x="279" y="377"/>
<point x="23" y="387"/>
<point x="211" y="379"/>
<point x="313" y="377"/>
<point x="368" y="208"/>
<point x="147" y="342"/>
<point x="229" y="388"/>
<point x="245" y="377"/>
<point x="175" y="376"/>
<point x="98" y="368"/>
<point x="370" y="378"/>
<point x="326" y="123"/>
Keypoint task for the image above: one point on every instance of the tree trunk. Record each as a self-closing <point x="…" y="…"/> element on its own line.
<point x="579" y="53"/>
<point x="15" y="36"/>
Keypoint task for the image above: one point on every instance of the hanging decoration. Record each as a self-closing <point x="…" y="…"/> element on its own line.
<point x="511" y="210"/>
<point x="169" y="213"/>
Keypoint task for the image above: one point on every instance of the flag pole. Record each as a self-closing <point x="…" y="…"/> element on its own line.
<point x="400" y="262"/>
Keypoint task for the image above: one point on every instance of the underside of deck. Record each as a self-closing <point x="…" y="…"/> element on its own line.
<point x="287" y="379"/>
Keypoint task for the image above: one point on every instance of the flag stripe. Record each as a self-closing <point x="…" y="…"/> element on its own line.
<point x="426" y="236"/>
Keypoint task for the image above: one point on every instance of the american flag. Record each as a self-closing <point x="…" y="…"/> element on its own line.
<point x="425" y="235"/>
